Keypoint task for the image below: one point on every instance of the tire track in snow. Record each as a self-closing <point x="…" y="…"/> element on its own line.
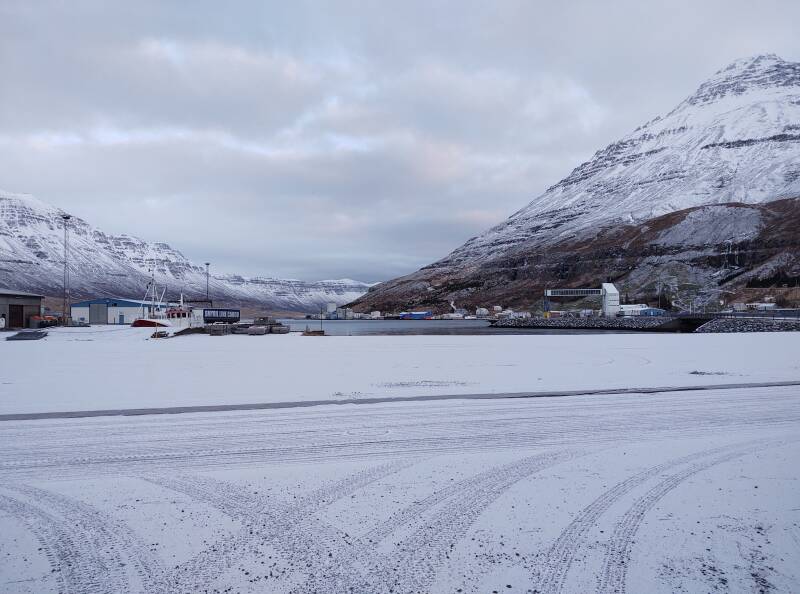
<point x="557" y="561"/>
<point x="454" y="509"/>
<point x="183" y="444"/>
<point x="288" y="527"/>
<point x="75" y="563"/>
<point x="264" y="522"/>
<point x="107" y="536"/>
<point x="617" y="557"/>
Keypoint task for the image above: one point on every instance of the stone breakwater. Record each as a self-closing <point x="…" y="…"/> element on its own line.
<point x="749" y="325"/>
<point x="627" y="323"/>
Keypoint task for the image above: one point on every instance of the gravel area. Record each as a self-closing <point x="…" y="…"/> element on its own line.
<point x="750" y="325"/>
<point x="628" y="323"/>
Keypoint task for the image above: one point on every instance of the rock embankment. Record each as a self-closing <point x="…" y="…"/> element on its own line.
<point x="749" y="325"/>
<point x="627" y="323"/>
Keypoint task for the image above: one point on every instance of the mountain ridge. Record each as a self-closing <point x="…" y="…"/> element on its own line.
<point x="736" y="139"/>
<point x="107" y="265"/>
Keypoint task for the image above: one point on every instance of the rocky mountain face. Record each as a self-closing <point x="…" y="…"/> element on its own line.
<point x="104" y="265"/>
<point x="665" y="206"/>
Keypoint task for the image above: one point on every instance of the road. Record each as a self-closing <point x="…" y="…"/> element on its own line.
<point x="608" y="492"/>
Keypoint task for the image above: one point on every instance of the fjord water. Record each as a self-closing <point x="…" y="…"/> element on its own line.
<point x="423" y="327"/>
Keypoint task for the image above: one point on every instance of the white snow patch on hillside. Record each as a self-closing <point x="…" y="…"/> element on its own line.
<point x="714" y="226"/>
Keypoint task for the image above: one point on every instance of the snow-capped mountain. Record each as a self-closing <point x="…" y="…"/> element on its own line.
<point x="736" y="140"/>
<point x="102" y="265"/>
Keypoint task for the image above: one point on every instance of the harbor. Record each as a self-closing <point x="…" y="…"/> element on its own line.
<point x="476" y="327"/>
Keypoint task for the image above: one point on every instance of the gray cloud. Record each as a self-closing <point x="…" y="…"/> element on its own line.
<point x="352" y="139"/>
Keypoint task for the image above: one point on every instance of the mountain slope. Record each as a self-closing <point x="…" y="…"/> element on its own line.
<point x="32" y="256"/>
<point x="736" y="140"/>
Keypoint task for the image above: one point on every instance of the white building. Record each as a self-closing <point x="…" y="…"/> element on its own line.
<point x="109" y="311"/>
<point x="343" y="313"/>
<point x="633" y="309"/>
<point x="608" y="292"/>
<point x="610" y="300"/>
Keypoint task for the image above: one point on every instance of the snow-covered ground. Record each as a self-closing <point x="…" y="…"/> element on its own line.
<point x="119" y="368"/>
<point x="692" y="491"/>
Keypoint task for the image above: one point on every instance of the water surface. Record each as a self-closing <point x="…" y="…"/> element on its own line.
<point x="430" y="327"/>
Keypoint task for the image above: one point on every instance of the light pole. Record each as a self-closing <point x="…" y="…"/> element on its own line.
<point x="65" y="218"/>
<point x="207" y="265"/>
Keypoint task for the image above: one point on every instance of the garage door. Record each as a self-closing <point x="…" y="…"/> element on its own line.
<point x="16" y="319"/>
<point x="98" y="313"/>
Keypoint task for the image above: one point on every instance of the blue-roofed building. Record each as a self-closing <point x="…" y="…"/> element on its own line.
<point x="109" y="310"/>
<point x="416" y="315"/>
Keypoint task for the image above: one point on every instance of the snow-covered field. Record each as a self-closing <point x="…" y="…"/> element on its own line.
<point x="119" y="368"/>
<point x="692" y="491"/>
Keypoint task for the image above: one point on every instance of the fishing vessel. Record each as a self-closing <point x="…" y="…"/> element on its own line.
<point x="182" y="316"/>
<point x="153" y="313"/>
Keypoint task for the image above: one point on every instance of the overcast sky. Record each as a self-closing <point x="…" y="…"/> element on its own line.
<point x="339" y="139"/>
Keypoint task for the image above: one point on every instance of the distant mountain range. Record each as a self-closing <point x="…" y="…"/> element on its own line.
<point x="104" y="265"/>
<point x="697" y="205"/>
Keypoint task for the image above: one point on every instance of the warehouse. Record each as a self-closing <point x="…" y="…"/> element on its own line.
<point x="18" y="307"/>
<point x="107" y="311"/>
<point x="608" y="292"/>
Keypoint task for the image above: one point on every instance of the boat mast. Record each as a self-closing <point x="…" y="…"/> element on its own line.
<point x="153" y="288"/>
<point x="146" y="294"/>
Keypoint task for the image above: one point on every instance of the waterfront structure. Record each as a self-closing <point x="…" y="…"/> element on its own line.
<point x="652" y="311"/>
<point x="109" y="310"/>
<point x="416" y="315"/>
<point x="225" y="315"/>
<point x="633" y="309"/>
<point x="607" y="291"/>
<point x="18" y="307"/>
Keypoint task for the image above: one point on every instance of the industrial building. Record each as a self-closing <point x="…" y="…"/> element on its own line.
<point x="607" y="291"/>
<point x="18" y="307"/>
<point x="416" y="315"/>
<point x="108" y="311"/>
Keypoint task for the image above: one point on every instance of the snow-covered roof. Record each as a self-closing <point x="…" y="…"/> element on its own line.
<point x="19" y="293"/>
<point x="115" y="302"/>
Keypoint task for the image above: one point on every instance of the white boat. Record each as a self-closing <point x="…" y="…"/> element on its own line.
<point x="152" y="314"/>
<point x="184" y="316"/>
<point x="157" y="314"/>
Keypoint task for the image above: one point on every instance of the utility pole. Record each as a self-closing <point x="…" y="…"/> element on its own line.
<point x="207" y="265"/>
<point x="65" y="316"/>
